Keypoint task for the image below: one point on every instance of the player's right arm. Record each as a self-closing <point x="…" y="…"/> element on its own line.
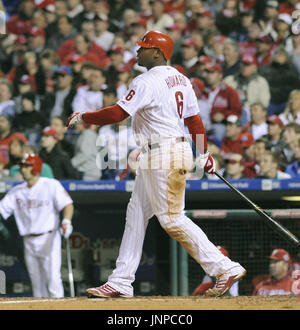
<point x="136" y="97"/>
<point x="104" y="116"/>
<point x="7" y="205"/>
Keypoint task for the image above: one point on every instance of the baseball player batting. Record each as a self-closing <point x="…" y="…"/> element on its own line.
<point x="36" y="205"/>
<point x="160" y="101"/>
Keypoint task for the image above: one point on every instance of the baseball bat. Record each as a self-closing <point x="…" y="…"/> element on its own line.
<point x="70" y="271"/>
<point x="285" y="233"/>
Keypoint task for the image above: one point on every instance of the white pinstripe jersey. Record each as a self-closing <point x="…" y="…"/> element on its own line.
<point x="158" y="101"/>
<point x="36" y="209"/>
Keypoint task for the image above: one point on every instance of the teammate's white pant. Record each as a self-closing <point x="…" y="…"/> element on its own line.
<point x="161" y="192"/>
<point x="43" y="261"/>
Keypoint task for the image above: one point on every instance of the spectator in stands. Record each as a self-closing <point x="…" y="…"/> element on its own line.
<point x="189" y="56"/>
<point x="250" y="85"/>
<point x="125" y="76"/>
<point x="295" y="52"/>
<point x="223" y="99"/>
<point x="55" y="157"/>
<point x="37" y="40"/>
<point x="283" y="35"/>
<point x="290" y="134"/>
<point x="58" y="124"/>
<point x="232" y="61"/>
<point x="103" y="37"/>
<point x="282" y="77"/>
<point x="208" y="282"/>
<point x="117" y="140"/>
<point x="204" y="21"/>
<point x="213" y="145"/>
<point x="136" y="32"/>
<point x="15" y="152"/>
<point x="258" y="125"/>
<point x="289" y="6"/>
<point x="203" y="63"/>
<point x="49" y="62"/>
<point x="59" y="102"/>
<point x="39" y="20"/>
<point x="159" y="20"/>
<point x="4" y="171"/>
<point x="25" y="85"/>
<point x="235" y="141"/>
<point x="228" y="20"/>
<point x="259" y="150"/>
<point x="176" y="33"/>
<point x="129" y="16"/>
<point x="88" y="30"/>
<point x="249" y="46"/>
<point x="21" y="22"/>
<point x="217" y="48"/>
<point x="294" y="169"/>
<point x="269" y="18"/>
<point x="264" y="46"/>
<point x="247" y="18"/>
<point x="14" y="171"/>
<point x="269" y="167"/>
<point x="30" y="121"/>
<point x="33" y="69"/>
<point x="75" y="7"/>
<point x="7" y="135"/>
<point x="234" y="167"/>
<point x="86" y="14"/>
<point x="249" y="161"/>
<point x="279" y="281"/>
<point x="292" y="109"/>
<point x="65" y="31"/>
<point x="116" y="55"/>
<point x="274" y="141"/>
<point x="7" y="104"/>
<point x="85" y="153"/>
<point x="90" y="96"/>
<point x="83" y="47"/>
<point x="203" y="104"/>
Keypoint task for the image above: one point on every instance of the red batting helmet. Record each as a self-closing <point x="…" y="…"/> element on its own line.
<point x="35" y="161"/>
<point x="156" y="39"/>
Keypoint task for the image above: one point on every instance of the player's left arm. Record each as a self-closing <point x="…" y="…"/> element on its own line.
<point x="198" y="133"/>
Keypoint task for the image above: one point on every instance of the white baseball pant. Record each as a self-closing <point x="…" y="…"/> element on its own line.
<point x="43" y="261"/>
<point x="160" y="190"/>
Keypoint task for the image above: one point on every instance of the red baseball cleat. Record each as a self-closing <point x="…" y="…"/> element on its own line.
<point x="225" y="281"/>
<point x="105" y="291"/>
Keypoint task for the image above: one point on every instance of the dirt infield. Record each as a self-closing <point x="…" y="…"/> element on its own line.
<point x="154" y="303"/>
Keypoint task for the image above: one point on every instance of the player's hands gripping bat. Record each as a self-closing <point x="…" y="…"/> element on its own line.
<point x="206" y="163"/>
<point x="66" y="228"/>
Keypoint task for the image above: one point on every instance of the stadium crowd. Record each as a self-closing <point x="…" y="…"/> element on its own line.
<point x="62" y="56"/>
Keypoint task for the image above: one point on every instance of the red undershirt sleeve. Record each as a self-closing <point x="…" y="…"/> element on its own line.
<point x="105" y="116"/>
<point x="197" y="131"/>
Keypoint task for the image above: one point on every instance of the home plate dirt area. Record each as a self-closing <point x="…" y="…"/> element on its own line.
<point x="153" y="303"/>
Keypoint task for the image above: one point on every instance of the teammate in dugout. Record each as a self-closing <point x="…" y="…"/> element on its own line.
<point x="160" y="102"/>
<point x="36" y="205"/>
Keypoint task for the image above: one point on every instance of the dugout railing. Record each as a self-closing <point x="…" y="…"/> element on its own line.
<point x="246" y="236"/>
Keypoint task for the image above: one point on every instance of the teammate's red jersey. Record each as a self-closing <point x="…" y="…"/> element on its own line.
<point x="271" y="287"/>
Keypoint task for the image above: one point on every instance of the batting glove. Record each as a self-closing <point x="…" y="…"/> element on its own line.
<point x="206" y="163"/>
<point x="66" y="228"/>
<point x="74" y="118"/>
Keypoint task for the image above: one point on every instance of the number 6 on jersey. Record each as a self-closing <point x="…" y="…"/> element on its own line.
<point x="179" y="101"/>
